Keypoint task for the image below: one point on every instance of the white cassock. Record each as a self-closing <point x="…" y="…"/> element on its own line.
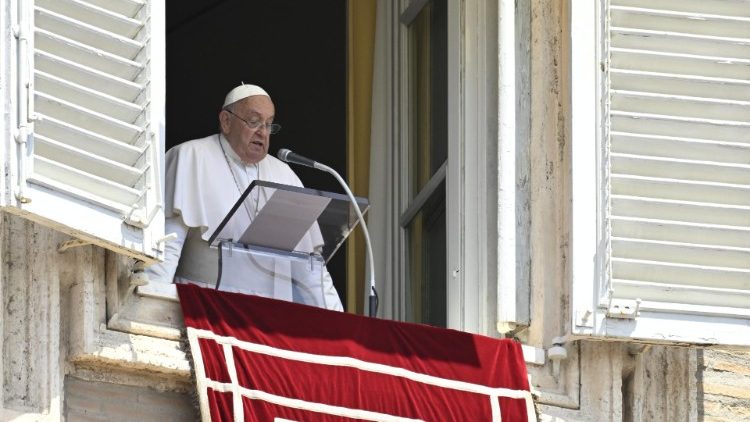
<point x="204" y="179"/>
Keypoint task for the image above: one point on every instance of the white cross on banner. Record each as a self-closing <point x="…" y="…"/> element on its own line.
<point x="259" y="359"/>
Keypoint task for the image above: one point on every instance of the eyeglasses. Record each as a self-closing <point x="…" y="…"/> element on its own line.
<point x="272" y="128"/>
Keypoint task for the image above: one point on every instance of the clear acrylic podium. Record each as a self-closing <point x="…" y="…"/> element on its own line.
<point x="277" y="233"/>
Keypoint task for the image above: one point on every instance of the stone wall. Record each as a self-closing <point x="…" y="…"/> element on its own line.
<point x="624" y="382"/>
<point x="55" y="335"/>
<point x="33" y="340"/>
<point x="101" y="401"/>
<point x="723" y="387"/>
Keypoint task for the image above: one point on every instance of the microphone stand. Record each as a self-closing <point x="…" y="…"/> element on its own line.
<point x="373" y="297"/>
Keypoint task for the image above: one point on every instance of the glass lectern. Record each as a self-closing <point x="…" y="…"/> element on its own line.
<point x="280" y="234"/>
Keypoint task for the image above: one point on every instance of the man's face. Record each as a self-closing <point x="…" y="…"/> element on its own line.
<point x="250" y="144"/>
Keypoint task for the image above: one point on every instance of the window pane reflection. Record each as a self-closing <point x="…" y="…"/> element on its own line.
<point x="428" y="70"/>
<point x="427" y="262"/>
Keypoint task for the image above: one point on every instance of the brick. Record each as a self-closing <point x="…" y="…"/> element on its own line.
<point x="735" y="411"/>
<point x="735" y="368"/>
<point x="726" y="390"/>
<point x="716" y="419"/>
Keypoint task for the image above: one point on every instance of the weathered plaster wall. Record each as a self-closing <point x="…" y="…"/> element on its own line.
<point x="54" y="324"/>
<point x="659" y="383"/>
<point x="33" y="339"/>
<point x="622" y="382"/>
<point x="102" y="401"/>
<point x="549" y="173"/>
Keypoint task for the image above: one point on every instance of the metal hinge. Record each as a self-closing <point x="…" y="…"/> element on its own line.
<point x="139" y="217"/>
<point x="584" y="318"/>
<point x="159" y="244"/>
<point x="623" y="308"/>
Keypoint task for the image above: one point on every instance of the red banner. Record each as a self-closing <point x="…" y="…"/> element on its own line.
<point x="259" y="359"/>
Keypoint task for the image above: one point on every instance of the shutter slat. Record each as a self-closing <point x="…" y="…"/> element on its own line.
<point x="681" y="190"/>
<point x="86" y="97"/>
<point x="681" y="106"/>
<point x="736" y="8"/>
<point x="682" y="22"/>
<point x="663" y="125"/>
<point x="675" y="42"/>
<point x="128" y="8"/>
<point x="703" y="297"/>
<point x="87" y="119"/>
<point x="680" y="211"/>
<point x="82" y="75"/>
<point x="690" y="85"/>
<point x="680" y="252"/>
<point x="679" y="148"/>
<point x="94" y="16"/>
<point x="666" y="167"/>
<point x="86" y="161"/>
<point x="80" y="138"/>
<point x="681" y="232"/>
<point x="680" y="274"/>
<point x="671" y="11"/>
<point x="87" y="56"/>
<point x="87" y="34"/>
<point x="85" y="185"/>
<point x="716" y="66"/>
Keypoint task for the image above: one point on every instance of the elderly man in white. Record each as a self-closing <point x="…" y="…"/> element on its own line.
<point x="204" y="179"/>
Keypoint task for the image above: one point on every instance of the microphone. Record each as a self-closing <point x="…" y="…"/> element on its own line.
<point x="290" y="157"/>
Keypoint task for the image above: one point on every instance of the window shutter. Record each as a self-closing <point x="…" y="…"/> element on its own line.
<point x="93" y="160"/>
<point x="674" y="232"/>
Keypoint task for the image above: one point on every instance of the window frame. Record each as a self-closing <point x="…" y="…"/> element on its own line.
<point x="415" y="201"/>
<point x="482" y="248"/>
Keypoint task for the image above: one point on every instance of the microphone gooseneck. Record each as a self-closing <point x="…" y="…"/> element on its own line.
<point x="290" y="157"/>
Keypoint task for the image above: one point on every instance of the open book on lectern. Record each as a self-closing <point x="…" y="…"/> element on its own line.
<point x="274" y="218"/>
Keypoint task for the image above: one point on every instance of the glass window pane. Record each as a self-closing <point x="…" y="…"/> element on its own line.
<point x="427" y="262"/>
<point x="428" y="70"/>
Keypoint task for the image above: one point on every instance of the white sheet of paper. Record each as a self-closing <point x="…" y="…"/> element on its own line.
<point x="284" y="220"/>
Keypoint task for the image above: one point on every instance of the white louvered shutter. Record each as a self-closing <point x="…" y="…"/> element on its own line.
<point x="674" y="153"/>
<point x="94" y="162"/>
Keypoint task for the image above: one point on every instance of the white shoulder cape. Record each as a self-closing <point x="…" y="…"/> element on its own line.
<point x="201" y="188"/>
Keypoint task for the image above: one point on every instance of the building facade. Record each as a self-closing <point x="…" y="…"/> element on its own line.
<point x="572" y="174"/>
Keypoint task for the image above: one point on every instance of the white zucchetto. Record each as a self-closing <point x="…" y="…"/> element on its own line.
<point x="243" y="91"/>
